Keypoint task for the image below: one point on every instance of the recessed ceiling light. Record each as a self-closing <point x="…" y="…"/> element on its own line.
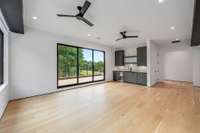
<point x="89" y="34"/>
<point x="177" y="39"/>
<point x="160" y="1"/>
<point x="34" y="18"/>
<point x="172" y="28"/>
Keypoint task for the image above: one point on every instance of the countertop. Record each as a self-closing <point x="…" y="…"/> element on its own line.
<point x="128" y="71"/>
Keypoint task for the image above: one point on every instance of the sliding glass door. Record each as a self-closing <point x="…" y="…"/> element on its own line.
<point x="67" y="65"/>
<point x="76" y="65"/>
<point x="99" y="65"/>
<point x="85" y="65"/>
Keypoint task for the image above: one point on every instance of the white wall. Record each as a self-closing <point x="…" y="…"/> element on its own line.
<point x="34" y="61"/>
<point x="152" y="63"/>
<point x="176" y="62"/>
<point x="196" y="66"/>
<point x="4" y="89"/>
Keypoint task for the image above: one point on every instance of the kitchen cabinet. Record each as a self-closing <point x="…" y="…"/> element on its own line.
<point x="13" y="12"/>
<point x="130" y="77"/>
<point x="195" y="40"/>
<point x="119" y="58"/>
<point x="142" y="56"/>
<point x="116" y="75"/>
<point x="135" y="77"/>
<point x="142" y="78"/>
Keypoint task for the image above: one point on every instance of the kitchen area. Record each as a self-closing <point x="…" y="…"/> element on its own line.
<point x="131" y="65"/>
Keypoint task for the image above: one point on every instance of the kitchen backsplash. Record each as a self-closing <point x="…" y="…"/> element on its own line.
<point x="132" y="67"/>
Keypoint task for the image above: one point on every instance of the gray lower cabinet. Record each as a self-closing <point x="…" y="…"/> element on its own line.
<point x="130" y="77"/>
<point x="135" y="77"/>
<point x="142" y="78"/>
<point x="116" y="76"/>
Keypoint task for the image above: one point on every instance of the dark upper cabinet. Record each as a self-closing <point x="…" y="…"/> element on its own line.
<point x="142" y="56"/>
<point x="119" y="58"/>
<point x="13" y="13"/>
<point x="195" y="41"/>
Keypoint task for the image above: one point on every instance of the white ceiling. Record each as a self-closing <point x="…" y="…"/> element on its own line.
<point x="146" y="18"/>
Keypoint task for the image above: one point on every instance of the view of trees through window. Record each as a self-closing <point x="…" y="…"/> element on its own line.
<point x="85" y="65"/>
<point x="98" y="65"/>
<point x="79" y="65"/>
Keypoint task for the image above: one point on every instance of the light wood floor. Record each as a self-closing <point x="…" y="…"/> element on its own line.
<point x="168" y="107"/>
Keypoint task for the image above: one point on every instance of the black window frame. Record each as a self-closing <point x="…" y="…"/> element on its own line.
<point x="77" y="47"/>
<point x="2" y="60"/>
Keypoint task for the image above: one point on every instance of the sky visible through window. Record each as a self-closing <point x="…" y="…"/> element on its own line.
<point x="98" y="56"/>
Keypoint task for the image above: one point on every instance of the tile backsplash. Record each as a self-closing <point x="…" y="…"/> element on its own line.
<point x="132" y="67"/>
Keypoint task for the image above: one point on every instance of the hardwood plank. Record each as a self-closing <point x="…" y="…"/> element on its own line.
<point x="168" y="107"/>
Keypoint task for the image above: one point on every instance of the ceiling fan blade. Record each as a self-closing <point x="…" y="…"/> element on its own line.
<point x="132" y="36"/>
<point x="63" y="15"/>
<point x="119" y="39"/>
<point x="85" y="20"/>
<point x="123" y="34"/>
<point x="85" y="7"/>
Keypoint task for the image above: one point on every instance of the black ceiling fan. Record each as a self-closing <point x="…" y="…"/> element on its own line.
<point x="80" y="15"/>
<point x="176" y="41"/>
<point x="124" y="36"/>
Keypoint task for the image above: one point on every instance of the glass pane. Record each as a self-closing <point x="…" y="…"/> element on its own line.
<point x="67" y="65"/>
<point x="98" y="65"/>
<point x="85" y="65"/>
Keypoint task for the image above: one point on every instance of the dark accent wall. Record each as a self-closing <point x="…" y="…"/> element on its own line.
<point x="195" y="41"/>
<point x="13" y="13"/>
<point x="1" y="56"/>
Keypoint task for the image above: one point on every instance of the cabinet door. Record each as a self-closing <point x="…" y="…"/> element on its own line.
<point x="119" y="58"/>
<point x="139" y="78"/>
<point x="116" y="76"/>
<point x="142" y="78"/>
<point x="130" y="77"/>
<point x="139" y="56"/>
<point x="195" y="41"/>
<point x="125" y="77"/>
<point x="142" y="56"/>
